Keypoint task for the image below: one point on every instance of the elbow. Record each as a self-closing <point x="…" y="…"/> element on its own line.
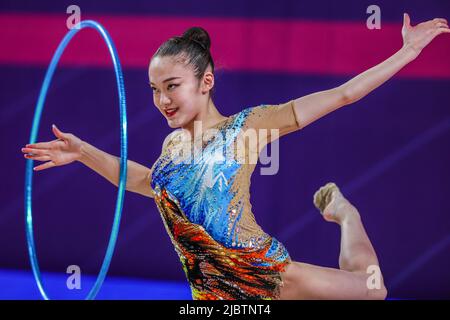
<point x="147" y="187"/>
<point x="142" y="185"/>
<point x="346" y="95"/>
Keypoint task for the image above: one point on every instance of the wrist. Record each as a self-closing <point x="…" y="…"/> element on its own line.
<point x="410" y="52"/>
<point x="82" y="152"/>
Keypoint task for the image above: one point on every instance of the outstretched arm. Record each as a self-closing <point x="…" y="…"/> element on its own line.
<point x="314" y="106"/>
<point x="108" y="166"/>
<point x="69" y="148"/>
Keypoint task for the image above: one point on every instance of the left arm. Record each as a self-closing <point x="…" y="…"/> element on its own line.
<point x="314" y="106"/>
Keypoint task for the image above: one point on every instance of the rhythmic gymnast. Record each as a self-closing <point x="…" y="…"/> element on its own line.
<point x="224" y="252"/>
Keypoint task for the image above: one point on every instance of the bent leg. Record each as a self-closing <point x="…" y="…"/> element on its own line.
<point x="307" y="281"/>
<point x="356" y="252"/>
<point x="357" y="259"/>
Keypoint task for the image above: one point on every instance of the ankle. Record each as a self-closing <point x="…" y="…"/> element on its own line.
<point x="349" y="214"/>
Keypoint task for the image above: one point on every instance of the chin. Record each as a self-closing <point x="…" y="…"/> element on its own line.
<point x="173" y="124"/>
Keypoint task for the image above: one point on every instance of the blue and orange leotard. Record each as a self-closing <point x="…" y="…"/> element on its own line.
<point x="204" y="202"/>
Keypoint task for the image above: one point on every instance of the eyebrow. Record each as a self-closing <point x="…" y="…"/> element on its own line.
<point x="168" y="79"/>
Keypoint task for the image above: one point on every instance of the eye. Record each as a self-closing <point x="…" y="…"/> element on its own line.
<point x="169" y="87"/>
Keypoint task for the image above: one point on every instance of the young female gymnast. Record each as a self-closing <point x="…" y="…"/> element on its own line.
<point x="224" y="252"/>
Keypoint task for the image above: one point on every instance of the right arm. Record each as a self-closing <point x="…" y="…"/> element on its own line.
<point x="108" y="166"/>
<point x="69" y="148"/>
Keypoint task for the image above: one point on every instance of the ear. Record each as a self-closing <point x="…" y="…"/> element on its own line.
<point x="208" y="82"/>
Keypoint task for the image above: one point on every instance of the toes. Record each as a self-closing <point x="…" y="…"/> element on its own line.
<point x="324" y="195"/>
<point x="319" y="199"/>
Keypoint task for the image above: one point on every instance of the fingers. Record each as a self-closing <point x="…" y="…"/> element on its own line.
<point x="41" y="145"/>
<point x="36" y="154"/>
<point x="406" y="20"/>
<point x="34" y="151"/>
<point x="440" y="30"/>
<point x="435" y="22"/>
<point x="58" y="133"/>
<point x="442" y="20"/>
<point x="44" y="166"/>
<point x="441" y="24"/>
<point x="37" y="158"/>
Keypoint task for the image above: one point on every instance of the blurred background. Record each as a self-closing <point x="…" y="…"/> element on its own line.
<point x="389" y="152"/>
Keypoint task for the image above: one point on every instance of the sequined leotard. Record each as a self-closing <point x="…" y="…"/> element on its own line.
<point x="205" y="206"/>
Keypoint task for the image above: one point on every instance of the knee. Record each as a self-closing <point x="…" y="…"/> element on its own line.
<point x="377" y="294"/>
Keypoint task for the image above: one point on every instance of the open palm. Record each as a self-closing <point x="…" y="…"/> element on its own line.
<point x="64" y="150"/>
<point x="419" y="36"/>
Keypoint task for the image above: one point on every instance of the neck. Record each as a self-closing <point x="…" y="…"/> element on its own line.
<point x="208" y="117"/>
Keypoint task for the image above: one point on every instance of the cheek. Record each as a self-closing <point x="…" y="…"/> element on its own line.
<point x="155" y="101"/>
<point x="184" y="99"/>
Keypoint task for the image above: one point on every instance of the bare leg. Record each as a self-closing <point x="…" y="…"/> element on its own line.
<point x="357" y="252"/>
<point x="306" y="281"/>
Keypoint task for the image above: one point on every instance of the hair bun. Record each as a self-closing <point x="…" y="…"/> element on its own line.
<point x="199" y="35"/>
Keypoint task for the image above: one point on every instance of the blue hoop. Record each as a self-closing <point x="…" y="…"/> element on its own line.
<point x="123" y="159"/>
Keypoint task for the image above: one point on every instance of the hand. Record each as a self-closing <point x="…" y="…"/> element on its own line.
<point x="418" y="37"/>
<point x="64" y="150"/>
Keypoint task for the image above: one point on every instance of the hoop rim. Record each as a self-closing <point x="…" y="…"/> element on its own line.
<point x="123" y="159"/>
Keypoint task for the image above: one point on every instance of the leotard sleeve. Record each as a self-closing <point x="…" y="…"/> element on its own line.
<point x="280" y="117"/>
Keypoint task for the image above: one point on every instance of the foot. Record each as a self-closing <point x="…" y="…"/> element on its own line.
<point x="333" y="206"/>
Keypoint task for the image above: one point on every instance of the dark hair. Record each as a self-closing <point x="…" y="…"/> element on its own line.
<point x="191" y="48"/>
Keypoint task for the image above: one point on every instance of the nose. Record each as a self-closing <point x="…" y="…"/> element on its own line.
<point x="163" y="99"/>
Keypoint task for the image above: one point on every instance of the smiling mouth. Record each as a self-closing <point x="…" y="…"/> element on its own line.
<point x="171" y="112"/>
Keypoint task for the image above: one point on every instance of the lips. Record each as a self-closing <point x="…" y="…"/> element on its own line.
<point x="170" y="112"/>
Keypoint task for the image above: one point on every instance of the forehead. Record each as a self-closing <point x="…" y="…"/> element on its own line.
<point x="162" y="68"/>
